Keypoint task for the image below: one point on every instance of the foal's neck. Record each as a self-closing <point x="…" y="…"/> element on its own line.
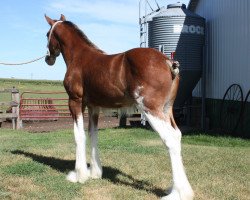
<point x="74" y="42"/>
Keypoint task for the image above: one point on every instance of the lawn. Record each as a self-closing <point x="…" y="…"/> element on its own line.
<point x="135" y="163"/>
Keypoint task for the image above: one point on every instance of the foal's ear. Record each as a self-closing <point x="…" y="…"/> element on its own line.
<point x="62" y="18"/>
<point x="50" y="21"/>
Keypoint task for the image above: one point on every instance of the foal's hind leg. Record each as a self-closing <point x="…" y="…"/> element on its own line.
<point x="95" y="165"/>
<point x="81" y="173"/>
<point x="171" y="137"/>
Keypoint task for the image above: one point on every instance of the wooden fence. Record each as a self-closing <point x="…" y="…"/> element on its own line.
<point x="14" y="111"/>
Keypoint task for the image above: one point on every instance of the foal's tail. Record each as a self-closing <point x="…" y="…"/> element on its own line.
<point x="168" y="108"/>
<point x="174" y="67"/>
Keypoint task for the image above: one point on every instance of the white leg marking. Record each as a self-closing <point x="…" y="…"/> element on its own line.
<point x="81" y="173"/>
<point x="172" y="139"/>
<point x="95" y="168"/>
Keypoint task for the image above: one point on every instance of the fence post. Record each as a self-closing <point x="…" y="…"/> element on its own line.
<point x="15" y="96"/>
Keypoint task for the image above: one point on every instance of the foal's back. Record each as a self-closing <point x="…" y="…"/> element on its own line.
<point x="117" y="80"/>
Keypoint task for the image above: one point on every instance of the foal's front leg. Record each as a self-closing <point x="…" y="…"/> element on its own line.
<point x="81" y="172"/>
<point x="95" y="165"/>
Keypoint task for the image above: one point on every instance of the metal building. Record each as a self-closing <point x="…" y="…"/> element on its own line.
<point x="227" y="61"/>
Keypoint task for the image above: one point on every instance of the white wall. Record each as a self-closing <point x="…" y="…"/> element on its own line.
<point x="228" y="37"/>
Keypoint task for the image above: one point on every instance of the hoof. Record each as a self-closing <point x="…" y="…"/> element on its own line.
<point x="72" y="177"/>
<point x="95" y="173"/>
<point x="176" y="195"/>
<point x="75" y="177"/>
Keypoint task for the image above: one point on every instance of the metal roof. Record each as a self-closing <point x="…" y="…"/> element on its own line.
<point x="174" y="10"/>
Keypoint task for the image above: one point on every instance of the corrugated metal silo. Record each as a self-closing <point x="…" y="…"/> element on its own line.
<point x="178" y="30"/>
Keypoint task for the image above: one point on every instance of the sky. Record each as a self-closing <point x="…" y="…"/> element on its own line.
<point x="112" y="25"/>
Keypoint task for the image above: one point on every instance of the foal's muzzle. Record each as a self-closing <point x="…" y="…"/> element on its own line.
<point x="50" y="60"/>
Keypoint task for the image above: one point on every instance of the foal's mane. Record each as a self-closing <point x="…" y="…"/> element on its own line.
<point x="82" y="35"/>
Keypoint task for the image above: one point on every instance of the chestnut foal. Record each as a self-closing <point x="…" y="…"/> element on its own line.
<point x="142" y="76"/>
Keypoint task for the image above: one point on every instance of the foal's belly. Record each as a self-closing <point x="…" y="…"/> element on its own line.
<point x="109" y="100"/>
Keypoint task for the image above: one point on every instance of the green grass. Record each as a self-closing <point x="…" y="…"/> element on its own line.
<point x="220" y="141"/>
<point x="25" y="169"/>
<point x="135" y="163"/>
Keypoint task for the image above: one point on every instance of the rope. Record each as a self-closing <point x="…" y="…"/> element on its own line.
<point x="24" y="63"/>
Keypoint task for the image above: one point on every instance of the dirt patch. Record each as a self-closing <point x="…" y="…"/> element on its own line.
<point x="67" y="123"/>
<point x="60" y="124"/>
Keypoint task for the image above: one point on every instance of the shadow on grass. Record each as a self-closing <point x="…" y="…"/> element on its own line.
<point x="109" y="173"/>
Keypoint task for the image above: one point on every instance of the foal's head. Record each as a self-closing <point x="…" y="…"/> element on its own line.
<point x="53" y="44"/>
